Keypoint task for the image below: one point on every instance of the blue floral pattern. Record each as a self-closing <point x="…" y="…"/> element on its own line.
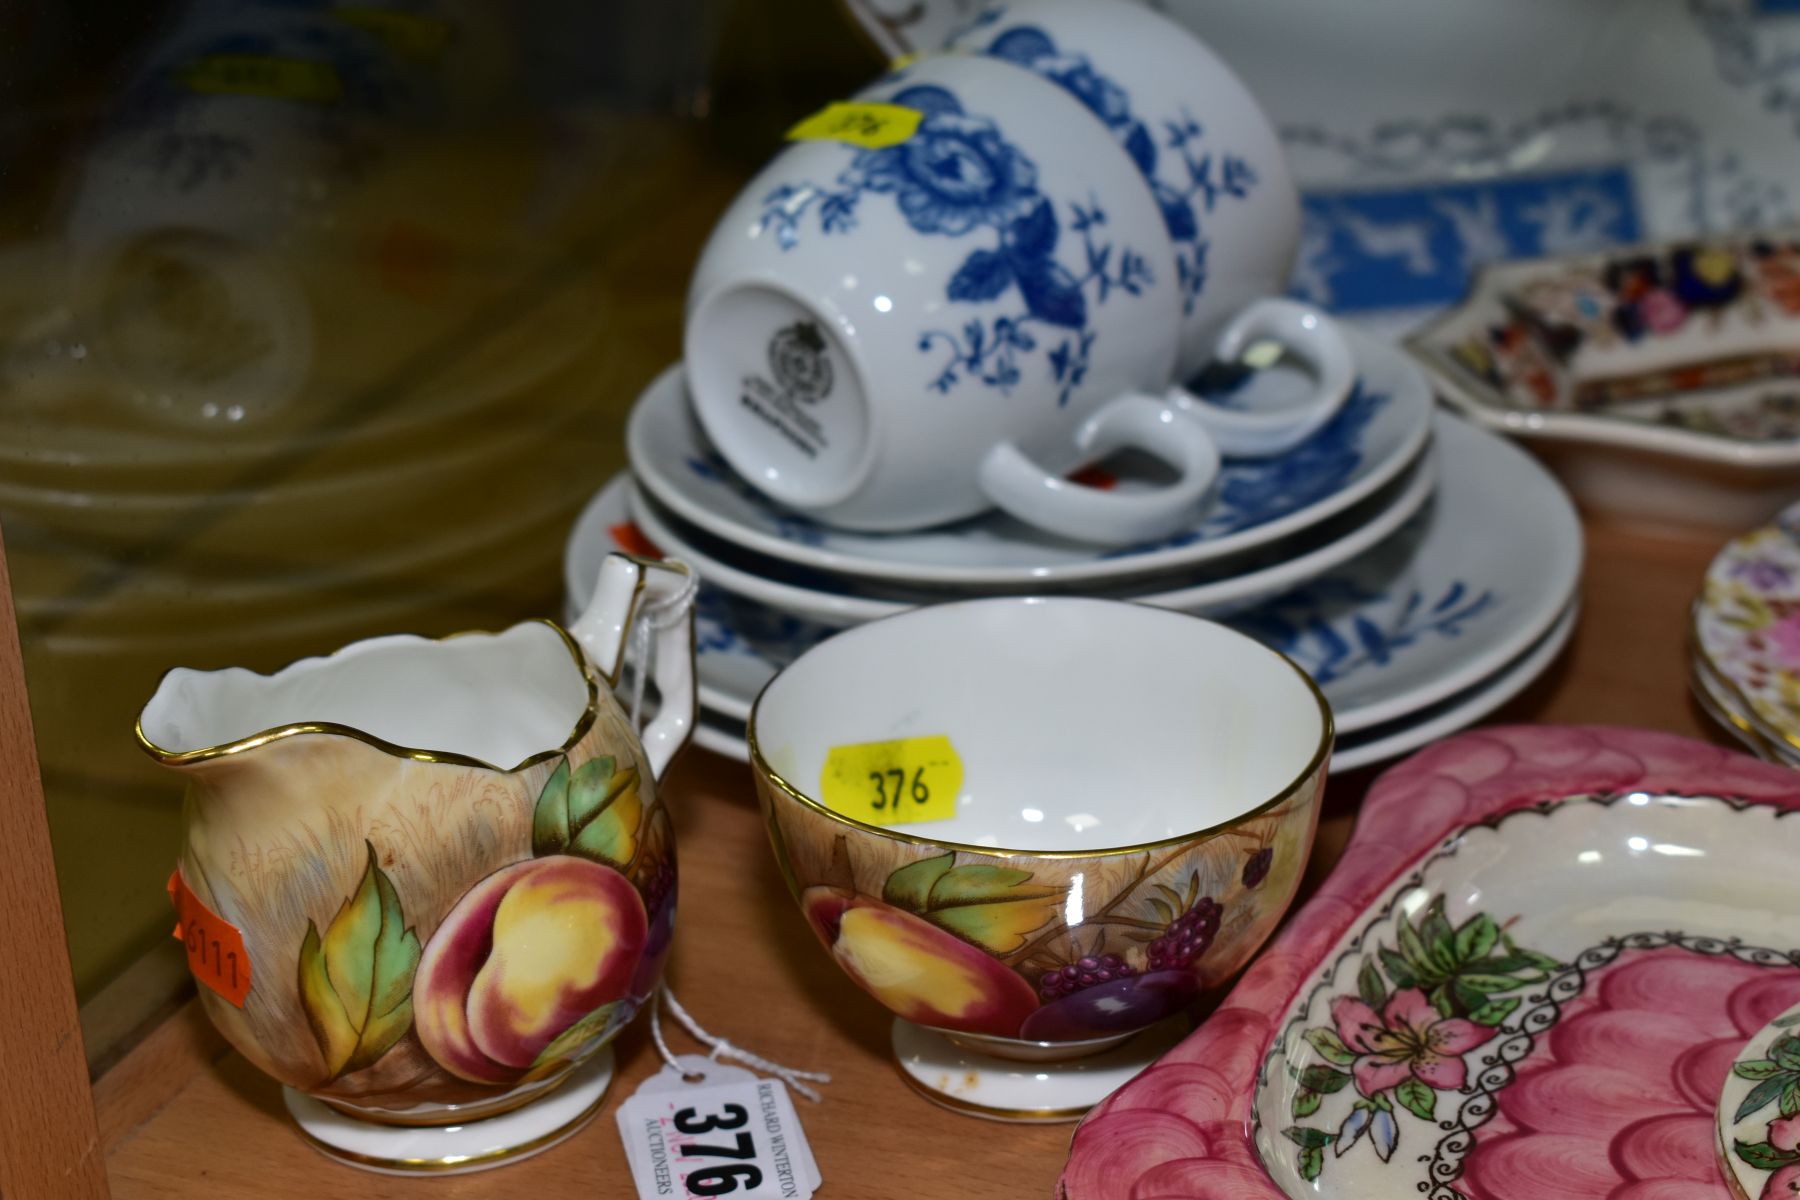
<point x="958" y="174"/>
<point x="1204" y="178"/>
<point x="1253" y="491"/>
<point x="1326" y="628"/>
<point x="712" y="467"/>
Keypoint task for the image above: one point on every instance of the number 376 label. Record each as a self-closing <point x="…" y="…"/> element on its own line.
<point x="888" y="783"/>
<point x="739" y="1139"/>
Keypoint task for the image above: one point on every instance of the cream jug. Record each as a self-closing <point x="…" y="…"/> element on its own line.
<point x="433" y="877"/>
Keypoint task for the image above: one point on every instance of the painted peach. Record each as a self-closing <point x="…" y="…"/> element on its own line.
<point x="919" y="971"/>
<point x="524" y="955"/>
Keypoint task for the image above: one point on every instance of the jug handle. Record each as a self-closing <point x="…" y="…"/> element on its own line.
<point x="630" y="588"/>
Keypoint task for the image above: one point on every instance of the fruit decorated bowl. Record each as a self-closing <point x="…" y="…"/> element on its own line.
<point x="1036" y="827"/>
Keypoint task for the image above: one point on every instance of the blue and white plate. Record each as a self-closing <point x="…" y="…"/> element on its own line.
<point x="1434" y="616"/>
<point x="1381" y="429"/>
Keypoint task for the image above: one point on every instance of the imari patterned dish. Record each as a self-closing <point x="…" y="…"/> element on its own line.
<point x="1746" y="635"/>
<point x="1033" y="877"/>
<point x="1528" y="978"/>
<point x="1255" y="504"/>
<point x="1681" y="360"/>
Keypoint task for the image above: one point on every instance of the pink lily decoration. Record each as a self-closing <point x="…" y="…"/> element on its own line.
<point x="1408" y="1038"/>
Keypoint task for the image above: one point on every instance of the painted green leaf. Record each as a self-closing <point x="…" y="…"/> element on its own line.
<point x="1312" y="1163"/>
<point x="1398" y="969"/>
<point x="1489" y="984"/>
<point x="997" y="908"/>
<point x="356" y="980"/>
<point x="1305" y="1138"/>
<point x="1369" y="985"/>
<point x="1756" y="1068"/>
<point x="1787" y="1022"/>
<point x="1381" y="1101"/>
<point x="1762" y="1094"/>
<point x="1443" y="998"/>
<point x="1330" y="1046"/>
<point x="1306" y="1103"/>
<point x="1418" y="1096"/>
<point x="975" y="884"/>
<point x="550" y="819"/>
<point x="1494" y="1012"/>
<point x="570" y="1041"/>
<point x="1763" y="1156"/>
<point x="1412" y="946"/>
<point x="593" y="811"/>
<point x="1786" y="1051"/>
<point x="1476" y="937"/>
<point x="1790" y="1098"/>
<point x="1463" y="997"/>
<point x="1438" y="936"/>
<point x="1324" y="1080"/>
<point x="910" y="886"/>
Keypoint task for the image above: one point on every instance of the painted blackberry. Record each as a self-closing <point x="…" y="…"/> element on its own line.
<point x="1083" y="973"/>
<point x="1188" y="937"/>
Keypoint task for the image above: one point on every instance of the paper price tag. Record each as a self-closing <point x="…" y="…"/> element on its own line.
<point x="870" y="126"/>
<point x="215" y="947"/>
<point x="263" y="75"/>
<point x="731" y="1134"/>
<point x="889" y="783"/>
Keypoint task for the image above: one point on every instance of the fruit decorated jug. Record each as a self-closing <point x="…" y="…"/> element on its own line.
<point x="425" y="882"/>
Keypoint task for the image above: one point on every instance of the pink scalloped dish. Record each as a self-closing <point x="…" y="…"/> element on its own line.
<point x="1536" y="974"/>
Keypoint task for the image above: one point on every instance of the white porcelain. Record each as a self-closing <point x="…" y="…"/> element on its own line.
<point x="974" y="669"/>
<point x="1384" y="742"/>
<point x="893" y="338"/>
<point x="1190" y="126"/>
<point x="1480" y="575"/>
<point x="1432" y="612"/>
<point x="953" y="1074"/>
<point x="1260" y="577"/>
<point x="456" y="1149"/>
<point x="1256" y="504"/>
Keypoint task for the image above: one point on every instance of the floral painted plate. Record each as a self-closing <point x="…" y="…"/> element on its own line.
<point x="1759" y="1113"/>
<point x="1256" y="503"/>
<point x="1746" y="633"/>
<point x="1526" y="979"/>
<point x="1690" y="348"/>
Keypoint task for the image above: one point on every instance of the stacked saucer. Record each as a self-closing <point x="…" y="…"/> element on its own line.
<point x="1422" y="570"/>
<point x="1745" y="646"/>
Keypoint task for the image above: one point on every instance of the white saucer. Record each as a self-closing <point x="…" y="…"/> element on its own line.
<point x="1371" y="441"/>
<point x="724" y="734"/>
<point x="1473" y="581"/>
<point x="456" y="1149"/>
<point x="1467" y="708"/>
<point x="1271" y="573"/>
<point x="1022" y="1092"/>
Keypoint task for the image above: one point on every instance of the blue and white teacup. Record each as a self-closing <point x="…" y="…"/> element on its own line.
<point x="1211" y="157"/>
<point x="897" y="337"/>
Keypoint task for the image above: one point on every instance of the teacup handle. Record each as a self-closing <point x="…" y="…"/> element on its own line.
<point x="1025" y="490"/>
<point x="631" y="588"/>
<point x="1310" y="335"/>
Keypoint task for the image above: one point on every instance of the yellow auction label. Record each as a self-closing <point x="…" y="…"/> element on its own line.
<point x="890" y="783"/>
<point x="870" y="126"/>
<point x="263" y="75"/>
<point x="409" y="35"/>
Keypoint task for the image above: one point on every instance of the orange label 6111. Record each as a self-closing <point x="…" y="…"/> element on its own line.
<point x="215" y="948"/>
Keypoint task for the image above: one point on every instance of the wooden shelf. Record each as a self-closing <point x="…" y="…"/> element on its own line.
<point x="181" y="1116"/>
